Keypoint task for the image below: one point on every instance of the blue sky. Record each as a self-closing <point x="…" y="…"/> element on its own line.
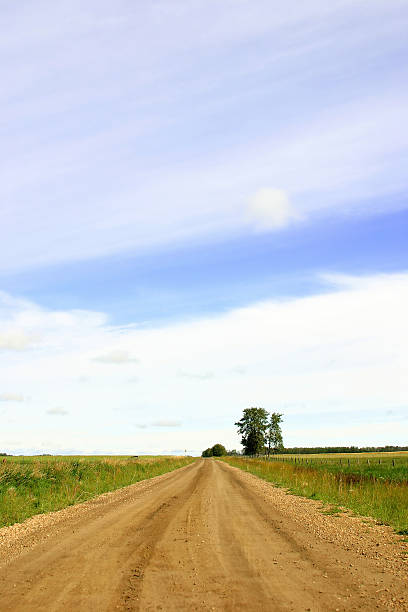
<point x="173" y="175"/>
<point x="196" y="279"/>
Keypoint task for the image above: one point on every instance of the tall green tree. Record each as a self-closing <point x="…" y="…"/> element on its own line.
<point x="218" y="450"/>
<point x="274" y="433"/>
<point x="252" y="427"/>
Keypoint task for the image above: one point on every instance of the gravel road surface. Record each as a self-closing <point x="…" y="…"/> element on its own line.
<point x="205" y="537"/>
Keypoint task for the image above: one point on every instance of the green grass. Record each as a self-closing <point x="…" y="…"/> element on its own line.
<point x="384" y="499"/>
<point x="33" y="485"/>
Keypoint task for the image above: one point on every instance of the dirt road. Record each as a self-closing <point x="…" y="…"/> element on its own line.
<point x="205" y="537"/>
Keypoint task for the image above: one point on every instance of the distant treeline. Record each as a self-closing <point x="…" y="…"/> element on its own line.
<point x="298" y="450"/>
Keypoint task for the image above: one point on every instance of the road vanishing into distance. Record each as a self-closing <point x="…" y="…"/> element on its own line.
<point x="204" y="537"/>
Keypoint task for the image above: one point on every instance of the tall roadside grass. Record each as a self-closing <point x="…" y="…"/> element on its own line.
<point x="384" y="500"/>
<point x="32" y="486"/>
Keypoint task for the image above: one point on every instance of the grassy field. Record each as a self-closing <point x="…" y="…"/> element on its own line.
<point x="25" y="459"/>
<point x="33" y="485"/>
<point x="386" y="466"/>
<point x="377" y="489"/>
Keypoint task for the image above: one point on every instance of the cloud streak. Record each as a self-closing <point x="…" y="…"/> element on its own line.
<point x="197" y="375"/>
<point x="117" y="357"/>
<point x="166" y="423"/>
<point x="271" y="209"/>
<point x="15" y="341"/>
<point x="11" y="397"/>
<point x="57" y="411"/>
<point x="162" y="423"/>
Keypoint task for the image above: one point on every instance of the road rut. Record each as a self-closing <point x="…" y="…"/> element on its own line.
<point x="205" y="537"/>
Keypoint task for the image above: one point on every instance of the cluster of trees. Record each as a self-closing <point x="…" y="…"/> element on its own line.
<point x="261" y="431"/>
<point x="261" y="434"/>
<point x="218" y="450"/>
<point x="299" y="450"/>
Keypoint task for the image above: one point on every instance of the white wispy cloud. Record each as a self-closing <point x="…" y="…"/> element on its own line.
<point x="197" y="375"/>
<point x="239" y="369"/>
<point x="271" y="209"/>
<point x="166" y="423"/>
<point x="116" y="357"/>
<point x="57" y="411"/>
<point x="15" y="341"/>
<point x="11" y="397"/>
<point x="342" y="350"/>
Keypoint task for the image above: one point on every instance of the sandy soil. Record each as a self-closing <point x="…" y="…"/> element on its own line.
<point x="205" y="537"/>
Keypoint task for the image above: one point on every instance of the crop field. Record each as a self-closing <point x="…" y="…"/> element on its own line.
<point x="34" y="485"/>
<point x="369" y="484"/>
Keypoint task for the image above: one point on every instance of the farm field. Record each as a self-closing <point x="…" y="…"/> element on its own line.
<point x="34" y="485"/>
<point x="206" y="537"/>
<point x="370" y="484"/>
